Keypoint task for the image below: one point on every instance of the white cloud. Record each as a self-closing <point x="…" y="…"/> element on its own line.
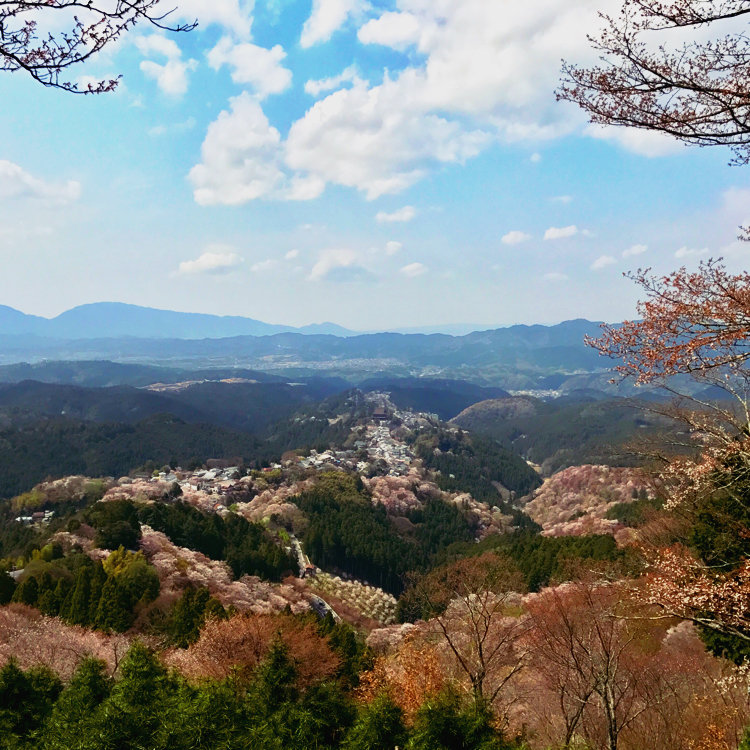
<point x="555" y="276"/>
<point x="393" y="247"/>
<point x="480" y="72"/>
<point x="559" y="233"/>
<point x="634" y="250"/>
<point x="242" y="160"/>
<point x="396" y="30"/>
<point x="515" y="238"/>
<point x="263" y="265"/>
<point x="376" y="140"/>
<point x="291" y="255"/>
<point x="251" y="64"/>
<point x="413" y="270"/>
<point x="327" y="17"/>
<point x="236" y="16"/>
<point x="239" y="158"/>
<point x="177" y="127"/>
<point x="172" y="76"/>
<point x="688" y="252"/>
<point x="643" y="142"/>
<point x="304" y="188"/>
<point x="564" y="199"/>
<point x="217" y="259"/>
<point x="338" y="265"/>
<point x="324" y="85"/>
<point x="16" y="182"/>
<point x="535" y="158"/>
<point x="602" y="262"/>
<point x="401" y="215"/>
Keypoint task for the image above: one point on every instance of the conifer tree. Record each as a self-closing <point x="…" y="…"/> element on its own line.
<point x="379" y="727"/>
<point x="78" y="614"/>
<point x="7" y="587"/>
<point x="98" y="577"/>
<point x="138" y="704"/>
<point x="114" y="611"/>
<point x="63" y="595"/>
<point x="48" y="604"/>
<point x="27" y="592"/>
<point x="74" y="719"/>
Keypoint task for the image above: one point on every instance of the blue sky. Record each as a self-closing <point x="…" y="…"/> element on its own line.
<point x="377" y="164"/>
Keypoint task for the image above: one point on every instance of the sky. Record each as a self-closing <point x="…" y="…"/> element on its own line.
<point x="378" y="164"/>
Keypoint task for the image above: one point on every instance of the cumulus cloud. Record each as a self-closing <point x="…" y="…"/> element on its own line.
<point x="263" y="265"/>
<point x="401" y="215"/>
<point x="560" y="233"/>
<point x="236" y="16"/>
<point x="327" y="17"/>
<point x="689" y="252"/>
<point x="393" y="247"/>
<point x="413" y="270"/>
<point x="324" y="85"/>
<point x="242" y="160"/>
<point x="555" y="276"/>
<point x="340" y="265"/>
<point x="239" y="157"/>
<point x="291" y="255"/>
<point x="634" y="250"/>
<point x="396" y="30"/>
<point x="171" y="76"/>
<point x="479" y="72"/>
<point x="602" y="262"/>
<point x="376" y="140"/>
<point x="643" y="142"/>
<point x="515" y="238"/>
<point x="217" y="259"/>
<point x="16" y="182"/>
<point x="254" y="65"/>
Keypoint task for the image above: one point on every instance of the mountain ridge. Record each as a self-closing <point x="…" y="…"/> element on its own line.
<point x="120" y="320"/>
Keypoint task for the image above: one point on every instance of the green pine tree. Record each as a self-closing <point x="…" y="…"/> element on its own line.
<point x="114" y="612"/>
<point x="75" y="720"/>
<point x="78" y="613"/>
<point x="7" y="587"/>
<point x="27" y="592"/>
<point x="98" y="577"/>
<point x="379" y="727"/>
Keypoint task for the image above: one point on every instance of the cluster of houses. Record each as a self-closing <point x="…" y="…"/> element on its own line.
<point x="39" y="517"/>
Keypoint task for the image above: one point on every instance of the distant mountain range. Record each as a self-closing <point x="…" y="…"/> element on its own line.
<point x="116" y="319"/>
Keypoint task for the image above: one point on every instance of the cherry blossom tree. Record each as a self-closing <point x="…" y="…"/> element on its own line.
<point x="678" y="67"/>
<point x="79" y="30"/>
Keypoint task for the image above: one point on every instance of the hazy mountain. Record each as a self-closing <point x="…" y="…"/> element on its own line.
<point x="246" y="406"/>
<point x="116" y="319"/>
<point x="515" y="358"/>
<point x="103" y="373"/>
<point x="446" y="398"/>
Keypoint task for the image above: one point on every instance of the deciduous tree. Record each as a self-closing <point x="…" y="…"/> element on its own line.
<point x="679" y="67"/>
<point x="82" y="28"/>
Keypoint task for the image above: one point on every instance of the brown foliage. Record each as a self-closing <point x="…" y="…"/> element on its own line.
<point x="410" y="675"/>
<point x="34" y="640"/>
<point x="239" y="644"/>
<point x="691" y="322"/>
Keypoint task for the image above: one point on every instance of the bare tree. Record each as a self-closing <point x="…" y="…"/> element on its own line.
<point x="89" y="26"/>
<point x="695" y="91"/>
<point x="480" y="625"/>
<point x="589" y="652"/>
